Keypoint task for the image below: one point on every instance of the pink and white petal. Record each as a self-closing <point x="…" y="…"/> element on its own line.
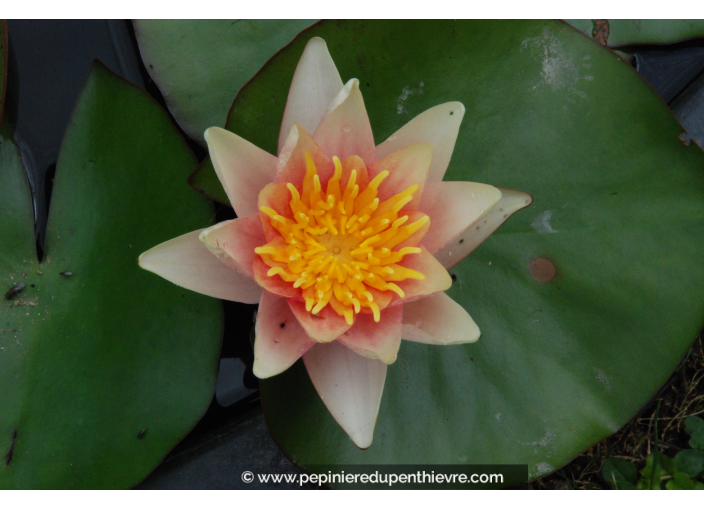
<point x="465" y="243"/>
<point x="376" y="340"/>
<point x="315" y="84"/>
<point x="438" y="319"/>
<point x="415" y="238"/>
<point x="453" y="207"/>
<point x="437" y="278"/>
<point x="325" y="326"/>
<point x="279" y="338"/>
<point x="276" y="196"/>
<point x="354" y="163"/>
<point x="273" y="284"/>
<point x="439" y="126"/>
<point x="187" y="262"/>
<point x="382" y="298"/>
<point x="233" y="242"/>
<point x="407" y="166"/>
<point x="350" y="386"/>
<point x="278" y="243"/>
<point x="292" y="161"/>
<point x="243" y="168"/>
<point x="345" y="130"/>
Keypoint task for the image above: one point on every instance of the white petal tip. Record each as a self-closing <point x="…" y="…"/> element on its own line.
<point x="387" y="359"/>
<point x="212" y="132"/>
<point x="316" y="41"/>
<point x="456" y="108"/>
<point x="453" y="109"/>
<point x="362" y="443"/>
<point x="496" y="195"/>
<point x="146" y="261"/>
<point x="474" y="336"/>
<point x="261" y="372"/>
<point x="188" y="263"/>
<point x="471" y="340"/>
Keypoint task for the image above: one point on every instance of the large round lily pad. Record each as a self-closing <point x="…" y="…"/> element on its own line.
<point x="586" y="300"/>
<point x="200" y="65"/>
<point x="625" y="32"/>
<point x="104" y="367"/>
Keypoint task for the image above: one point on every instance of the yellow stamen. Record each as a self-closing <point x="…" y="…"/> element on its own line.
<point x="338" y="242"/>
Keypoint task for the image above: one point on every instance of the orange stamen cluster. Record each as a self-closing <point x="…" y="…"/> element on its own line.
<point x="340" y="242"/>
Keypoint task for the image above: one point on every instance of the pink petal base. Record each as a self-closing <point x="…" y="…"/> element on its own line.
<point x="407" y="166"/>
<point x="234" y="241"/>
<point x="273" y="284"/>
<point x="437" y="278"/>
<point x="325" y="326"/>
<point x="376" y="340"/>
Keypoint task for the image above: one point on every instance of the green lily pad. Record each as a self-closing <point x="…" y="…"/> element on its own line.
<point x="625" y="32"/>
<point x="618" y="211"/>
<point x="200" y="65"/>
<point x="205" y="181"/>
<point x="105" y="369"/>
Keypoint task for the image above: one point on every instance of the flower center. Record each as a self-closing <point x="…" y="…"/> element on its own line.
<point x="339" y="246"/>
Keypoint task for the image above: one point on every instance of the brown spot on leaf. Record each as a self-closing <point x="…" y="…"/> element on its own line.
<point x="14" y="290"/>
<point x="542" y="269"/>
<point x="601" y="31"/>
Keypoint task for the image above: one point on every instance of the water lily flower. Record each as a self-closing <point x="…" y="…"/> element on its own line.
<point x="344" y="245"/>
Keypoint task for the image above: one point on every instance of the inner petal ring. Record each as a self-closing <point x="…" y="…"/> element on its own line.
<point x="340" y="243"/>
